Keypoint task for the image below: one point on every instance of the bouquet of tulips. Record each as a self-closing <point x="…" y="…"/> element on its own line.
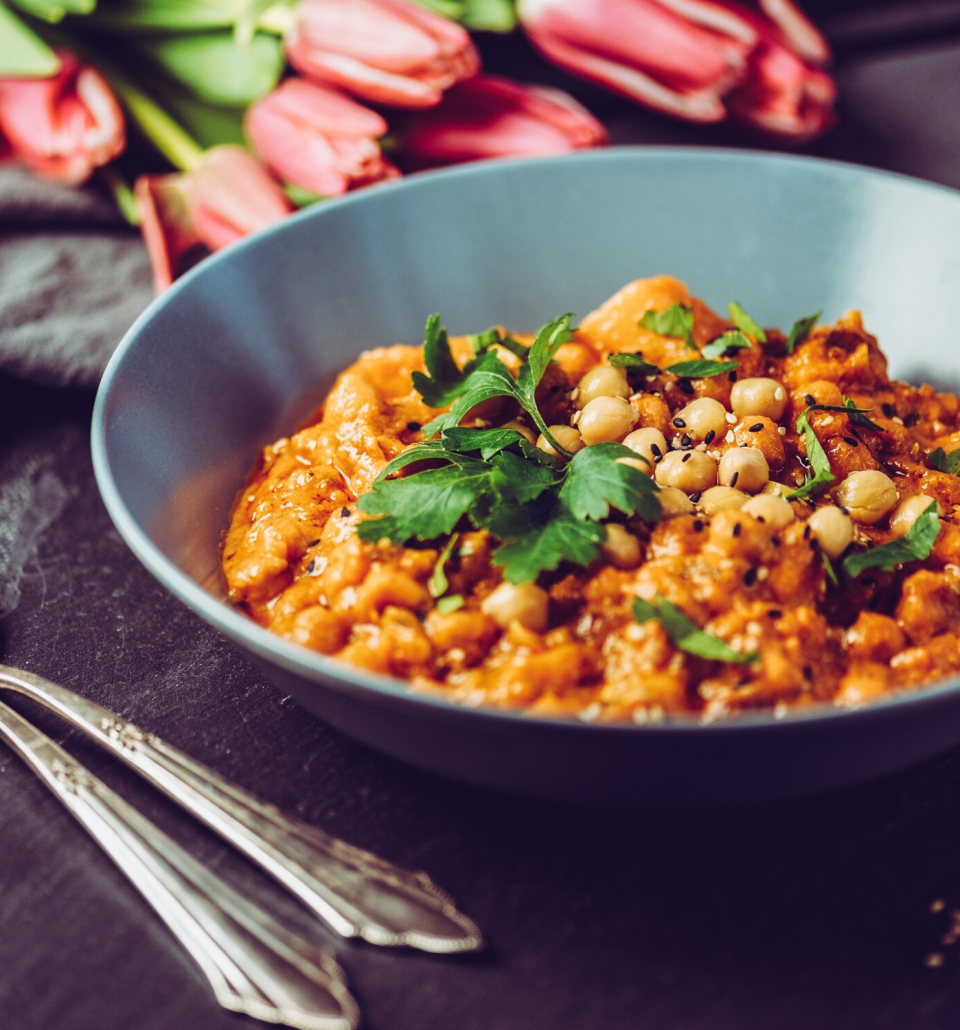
<point x="210" y="119"/>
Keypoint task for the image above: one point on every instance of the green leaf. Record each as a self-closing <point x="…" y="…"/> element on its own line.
<point x="517" y="479"/>
<point x="943" y="462"/>
<point x="731" y="341"/>
<point x="819" y="462"/>
<point x="829" y="569"/>
<point x="744" y="322"/>
<point x="209" y="124"/>
<point x="549" y="340"/>
<point x="488" y="378"/>
<point x="686" y="634"/>
<point x="595" y="481"/>
<point x="543" y="547"/>
<point x="445" y="382"/>
<point x="489" y="15"/>
<point x="676" y="321"/>
<point x="430" y="450"/>
<point x="23" y="54"/>
<point x="858" y="416"/>
<point x="701" y="369"/>
<point x="915" y="545"/>
<point x="437" y="584"/>
<point x="177" y="15"/>
<point x="487" y="441"/>
<point x="801" y="330"/>
<point x="301" y="197"/>
<point x="446" y="605"/>
<point x="634" y="363"/>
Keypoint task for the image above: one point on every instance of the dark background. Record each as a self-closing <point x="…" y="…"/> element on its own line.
<point x="809" y="914"/>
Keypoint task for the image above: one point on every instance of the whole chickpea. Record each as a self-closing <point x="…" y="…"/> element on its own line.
<point x="758" y="396"/>
<point x="649" y="443"/>
<point x="832" y="528"/>
<point x="525" y="602"/>
<point x="761" y="432"/>
<point x="567" y="436"/>
<point x="605" y="419"/>
<point x="621" y="547"/>
<point x="777" y="489"/>
<point x="525" y="431"/>
<point x="719" y="497"/>
<point x="771" y="509"/>
<point x="673" y="502"/>
<point x="867" y="495"/>
<point x="700" y="418"/>
<point x="907" y="512"/>
<point x="602" y="381"/>
<point x="690" y="471"/>
<point x="744" y="467"/>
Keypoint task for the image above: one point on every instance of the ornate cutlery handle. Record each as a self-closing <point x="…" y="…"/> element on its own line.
<point x="254" y="964"/>
<point x="352" y="890"/>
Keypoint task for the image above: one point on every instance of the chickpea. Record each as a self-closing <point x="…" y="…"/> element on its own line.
<point x="649" y="443"/>
<point x="690" y="471"/>
<point x="525" y="431"/>
<point x="602" y="381"/>
<point x="745" y="468"/>
<point x="907" y="512"/>
<point x="621" y="547"/>
<point x="638" y="463"/>
<point x="833" y="529"/>
<point x="759" y="396"/>
<point x="867" y="495"/>
<point x="777" y="489"/>
<point x="771" y="509"/>
<point x="719" y="497"/>
<point x="567" y="436"/>
<point x="525" y="602"/>
<point x="700" y="418"/>
<point x="673" y="502"/>
<point x="605" y="419"/>
<point x="760" y="432"/>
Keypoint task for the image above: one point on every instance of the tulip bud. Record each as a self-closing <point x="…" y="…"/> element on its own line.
<point x="488" y="117"/>
<point x="389" y="51"/>
<point x="317" y="138"/>
<point x="64" y="126"/>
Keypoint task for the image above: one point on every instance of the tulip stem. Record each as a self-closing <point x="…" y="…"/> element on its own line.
<point x="122" y="194"/>
<point x="168" y="137"/>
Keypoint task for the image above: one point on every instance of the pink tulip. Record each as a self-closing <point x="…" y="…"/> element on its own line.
<point x="227" y="195"/>
<point x="489" y="117"/>
<point x="64" y="126"/>
<point x="388" y="51"/>
<point x="317" y="138"/>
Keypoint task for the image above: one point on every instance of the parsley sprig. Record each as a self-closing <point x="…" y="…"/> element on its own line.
<point x="816" y="455"/>
<point x="915" y="545"/>
<point x="676" y="321"/>
<point x="696" y="369"/>
<point x="944" y="462"/>
<point x="685" y="634"/>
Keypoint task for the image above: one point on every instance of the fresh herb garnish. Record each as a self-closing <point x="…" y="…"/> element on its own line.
<point x="801" y="330"/>
<point x="685" y="634"/>
<point x="634" y="363"/>
<point x="744" y="322"/>
<point x="701" y="369"/>
<point x="944" y="462"/>
<point x="676" y="321"/>
<point x="858" y="416"/>
<point x="437" y="584"/>
<point x="817" y="457"/>
<point x="829" y="569"/>
<point x="445" y="382"/>
<point x="915" y="545"/>
<point x="449" y="604"/>
<point x="732" y="341"/>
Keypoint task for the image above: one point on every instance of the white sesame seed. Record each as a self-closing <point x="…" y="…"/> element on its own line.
<point x="730" y="417"/>
<point x="779" y="394"/>
<point x="729" y="437"/>
<point x="782" y="430"/>
<point x="640" y="716"/>
<point x="575" y="393"/>
<point x="700" y="447"/>
<point x="762" y="573"/>
<point x="575" y="418"/>
<point x="898" y="420"/>
<point x="590" y="712"/>
<point x="780" y="710"/>
<point x="828" y="421"/>
<point x="754" y="628"/>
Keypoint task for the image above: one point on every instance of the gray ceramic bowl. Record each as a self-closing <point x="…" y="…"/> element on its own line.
<point x="237" y="352"/>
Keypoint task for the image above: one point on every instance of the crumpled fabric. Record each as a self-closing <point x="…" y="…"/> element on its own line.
<point x="73" y="278"/>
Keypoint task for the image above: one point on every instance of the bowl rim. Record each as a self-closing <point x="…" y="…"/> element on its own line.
<point x="343" y="677"/>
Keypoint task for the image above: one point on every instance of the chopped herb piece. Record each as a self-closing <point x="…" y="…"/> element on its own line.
<point x="685" y="634"/>
<point x="634" y="363"/>
<point x="446" y="605"/>
<point x="914" y="546"/>
<point x="944" y="462"/>
<point x="445" y="381"/>
<point x="676" y="321"/>
<point x="744" y="322"/>
<point x="858" y="416"/>
<point x="817" y="459"/>
<point x="487" y="441"/>
<point x="801" y="330"/>
<point x="437" y="584"/>
<point x="828" y="568"/>
<point x="731" y="341"/>
<point x="701" y="369"/>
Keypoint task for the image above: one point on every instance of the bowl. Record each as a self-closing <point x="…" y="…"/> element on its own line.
<point x="242" y="348"/>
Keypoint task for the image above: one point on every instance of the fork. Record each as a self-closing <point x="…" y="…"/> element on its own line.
<point x="353" y="891"/>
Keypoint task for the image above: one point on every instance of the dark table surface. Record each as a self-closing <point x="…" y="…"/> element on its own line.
<point x="815" y="913"/>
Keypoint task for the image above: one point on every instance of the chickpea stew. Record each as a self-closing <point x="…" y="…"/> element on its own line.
<point x="663" y="510"/>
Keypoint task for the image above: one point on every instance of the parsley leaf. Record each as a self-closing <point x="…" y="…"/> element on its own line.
<point x="595" y="481"/>
<point x="487" y="441"/>
<point x="676" y="321"/>
<point x="563" y="538"/>
<point x="484" y="341"/>
<point x="914" y="546"/>
<point x="438" y="584"/>
<point x="829" y="569"/>
<point x="744" y="322"/>
<point x="801" y="330"/>
<point x="520" y="480"/>
<point x="446" y="382"/>
<point x="686" y="634"/>
<point x="858" y="416"/>
<point x="452" y="603"/>
<point x="701" y="369"/>
<point x="818" y="459"/>
<point x="731" y="341"/>
<point x="944" y="462"/>
<point x="634" y="363"/>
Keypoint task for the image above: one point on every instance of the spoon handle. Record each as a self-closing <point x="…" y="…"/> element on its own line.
<point x="352" y="890"/>
<point x="254" y="964"/>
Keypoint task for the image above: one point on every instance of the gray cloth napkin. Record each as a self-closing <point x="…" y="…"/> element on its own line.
<point x="73" y="277"/>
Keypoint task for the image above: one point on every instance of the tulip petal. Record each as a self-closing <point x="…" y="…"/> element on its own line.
<point x="172" y="240"/>
<point x="802" y="35"/>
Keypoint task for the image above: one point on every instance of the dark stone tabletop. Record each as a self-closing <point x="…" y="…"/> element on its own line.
<point x="813" y="913"/>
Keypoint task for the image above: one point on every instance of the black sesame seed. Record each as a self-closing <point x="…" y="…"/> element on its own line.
<point x="311" y="567"/>
<point x="695" y="498"/>
<point x="734" y="478"/>
<point x="807" y="672"/>
<point x="810" y="399"/>
<point x="736" y="529"/>
<point x="757" y="427"/>
<point x="313" y="543"/>
<point x="697" y="526"/>
<point x="760" y="518"/>
<point x="344" y="513"/>
<point x="774" y="613"/>
<point x="806" y="532"/>
<point x="749" y="577"/>
<point x="775" y="540"/>
<point x="732" y="377"/>
<point x="851" y="440"/>
<point x="414" y="427"/>
<point x="686" y="457"/>
<point x="655" y="451"/>
<point x="912" y="419"/>
<point x="814" y="544"/>
<point x="679" y="423"/>
<point x="685" y="386"/>
<point x="708" y="439"/>
<point x="888" y="409"/>
<point x="804" y="460"/>
<point x="685" y="440"/>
